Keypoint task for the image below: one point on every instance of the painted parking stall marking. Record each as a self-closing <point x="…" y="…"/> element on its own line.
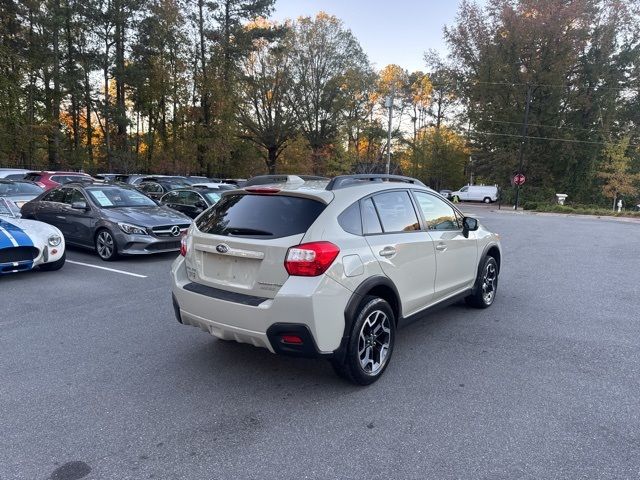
<point x="122" y="272"/>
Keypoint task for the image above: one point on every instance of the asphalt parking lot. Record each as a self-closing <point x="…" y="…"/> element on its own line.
<point x="99" y="381"/>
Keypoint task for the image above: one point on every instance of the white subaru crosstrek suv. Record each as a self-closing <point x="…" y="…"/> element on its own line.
<point x="320" y="268"/>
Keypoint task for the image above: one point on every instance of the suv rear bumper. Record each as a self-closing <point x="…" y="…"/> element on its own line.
<point x="310" y="307"/>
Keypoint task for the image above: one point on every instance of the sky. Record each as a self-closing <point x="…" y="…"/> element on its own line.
<point x="390" y="31"/>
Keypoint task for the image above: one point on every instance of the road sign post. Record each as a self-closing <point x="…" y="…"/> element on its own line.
<point x="525" y="125"/>
<point x="518" y="180"/>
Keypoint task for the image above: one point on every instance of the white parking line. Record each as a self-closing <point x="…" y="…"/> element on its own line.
<point x="107" y="269"/>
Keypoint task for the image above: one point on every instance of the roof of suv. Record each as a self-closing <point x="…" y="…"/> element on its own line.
<point x="325" y="189"/>
<point x="60" y="172"/>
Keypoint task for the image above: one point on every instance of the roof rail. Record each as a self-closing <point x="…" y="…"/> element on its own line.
<point x="291" y="179"/>
<point x="344" y="181"/>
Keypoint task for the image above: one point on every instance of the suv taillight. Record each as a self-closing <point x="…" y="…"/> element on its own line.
<point x="310" y="259"/>
<point x="183" y="246"/>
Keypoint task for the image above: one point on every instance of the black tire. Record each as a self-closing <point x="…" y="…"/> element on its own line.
<point x="374" y="315"/>
<point x="102" y="245"/>
<point x="486" y="200"/>
<point x="486" y="286"/>
<point x="53" y="266"/>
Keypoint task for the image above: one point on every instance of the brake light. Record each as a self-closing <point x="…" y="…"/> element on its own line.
<point x="262" y="189"/>
<point x="183" y="246"/>
<point x="310" y="259"/>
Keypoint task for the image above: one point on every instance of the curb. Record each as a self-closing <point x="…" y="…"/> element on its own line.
<point x="573" y="215"/>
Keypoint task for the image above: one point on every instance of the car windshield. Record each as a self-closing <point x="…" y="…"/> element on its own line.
<point x="19" y="188"/>
<point x="212" y="196"/>
<point x="7" y="209"/>
<point x="119" y="197"/>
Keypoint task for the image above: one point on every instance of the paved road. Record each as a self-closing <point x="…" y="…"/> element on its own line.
<point x="98" y="380"/>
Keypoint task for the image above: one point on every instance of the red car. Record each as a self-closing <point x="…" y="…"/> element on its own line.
<point x="48" y="180"/>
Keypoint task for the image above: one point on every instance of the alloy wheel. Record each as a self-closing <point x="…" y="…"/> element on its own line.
<point x="374" y="342"/>
<point x="489" y="279"/>
<point x="105" y="244"/>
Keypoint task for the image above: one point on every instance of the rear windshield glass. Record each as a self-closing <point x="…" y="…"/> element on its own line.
<point x="33" y="177"/>
<point x="19" y="188"/>
<point x="62" y="179"/>
<point x="260" y="216"/>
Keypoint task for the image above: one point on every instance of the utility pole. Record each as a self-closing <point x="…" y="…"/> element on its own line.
<point x="525" y="127"/>
<point x="389" y="104"/>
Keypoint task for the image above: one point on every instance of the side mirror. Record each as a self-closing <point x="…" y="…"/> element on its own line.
<point x="469" y="225"/>
<point x="200" y="204"/>
<point x="79" y="206"/>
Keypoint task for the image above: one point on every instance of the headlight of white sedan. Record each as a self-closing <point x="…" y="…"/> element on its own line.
<point x="132" y="229"/>
<point x="54" y="240"/>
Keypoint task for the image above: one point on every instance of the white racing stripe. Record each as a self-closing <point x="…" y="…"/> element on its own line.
<point x="107" y="269"/>
<point x="9" y="236"/>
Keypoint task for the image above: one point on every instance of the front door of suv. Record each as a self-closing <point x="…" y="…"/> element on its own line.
<point x="456" y="255"/>
<point x="405" y="252"/>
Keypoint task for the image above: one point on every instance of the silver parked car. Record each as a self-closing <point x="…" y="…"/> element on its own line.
<point x="18" y="192"/>
<point x="111" y="219"/>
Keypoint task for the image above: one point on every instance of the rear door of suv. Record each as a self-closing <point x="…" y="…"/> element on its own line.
<point x="240" y="244"/>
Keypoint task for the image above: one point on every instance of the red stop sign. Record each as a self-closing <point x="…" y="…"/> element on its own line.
<point x="519" y="179"/>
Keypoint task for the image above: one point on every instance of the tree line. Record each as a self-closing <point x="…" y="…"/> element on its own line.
<point x="214" y="87"/>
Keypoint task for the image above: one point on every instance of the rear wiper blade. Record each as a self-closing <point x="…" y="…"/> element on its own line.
<point x="247" y="231"/>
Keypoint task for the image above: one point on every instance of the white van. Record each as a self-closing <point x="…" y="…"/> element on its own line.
<point x="476" y="193"/>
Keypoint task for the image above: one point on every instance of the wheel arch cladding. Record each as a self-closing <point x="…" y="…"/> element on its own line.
<point x="387" y="293"/>
<point x="377" y="286"/>
<point x="494" y="252"/>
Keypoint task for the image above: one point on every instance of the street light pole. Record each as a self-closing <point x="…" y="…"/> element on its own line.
<point x="389" y="104"/>
<point x="525" y="127"/>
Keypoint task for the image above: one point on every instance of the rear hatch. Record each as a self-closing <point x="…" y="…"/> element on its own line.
<point x="240" y="244"/>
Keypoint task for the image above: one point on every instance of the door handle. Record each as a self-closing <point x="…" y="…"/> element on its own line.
<point x="61" y="217"/>
<point x="387" y="252"/>
<point x="441" y="247"/>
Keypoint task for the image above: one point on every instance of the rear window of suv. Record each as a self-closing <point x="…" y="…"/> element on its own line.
<point x="260" y="216"/>
<point x="62" y="179"/>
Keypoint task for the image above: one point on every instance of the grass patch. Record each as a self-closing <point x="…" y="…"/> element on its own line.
<point x="578" y="210"/>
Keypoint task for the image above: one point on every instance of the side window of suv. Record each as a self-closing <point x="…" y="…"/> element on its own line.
<point x="438" y="215"/>
<point x="396" y="211"/>
<point x="350" y="219"/>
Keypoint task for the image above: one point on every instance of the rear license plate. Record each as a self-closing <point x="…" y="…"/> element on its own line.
<point x="230" y="270"/>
